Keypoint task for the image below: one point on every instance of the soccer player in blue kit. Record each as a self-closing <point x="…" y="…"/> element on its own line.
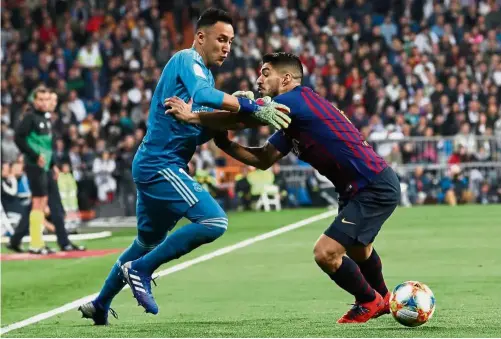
<point x="369" y="190"/>
<point x="165" y="192"/>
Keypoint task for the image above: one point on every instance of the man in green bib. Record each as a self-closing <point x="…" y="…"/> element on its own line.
<point x="34" y="139"/>
<point x="54" y="201"/>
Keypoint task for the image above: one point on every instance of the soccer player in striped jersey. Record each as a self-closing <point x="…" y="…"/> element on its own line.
<point x="368" y="188"/>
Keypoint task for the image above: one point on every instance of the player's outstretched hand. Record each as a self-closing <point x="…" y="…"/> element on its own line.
<point x="272" y="113"/>
<point x="179" y="109"/>
<point x="244" y="94"/>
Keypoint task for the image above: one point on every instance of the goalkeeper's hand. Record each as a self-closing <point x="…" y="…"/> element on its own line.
<point x="244" y="94"/>
<point x="267" y="111"/>
<point x="272" y="113"/>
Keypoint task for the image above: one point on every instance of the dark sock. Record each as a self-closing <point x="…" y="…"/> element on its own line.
<point x="373" y="272"/>
<point x="349" y="278"/>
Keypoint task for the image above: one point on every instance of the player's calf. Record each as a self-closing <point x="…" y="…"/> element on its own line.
<point x="370" y="265"/>
<point x="138" y="273"/>
<point x="329" y="255"/>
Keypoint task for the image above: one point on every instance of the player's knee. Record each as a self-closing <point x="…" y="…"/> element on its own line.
<point x="215" y="227"/>
<point x="216" y="232"/>
<point x="148" y="240"/>
<point x="328" y="254"/>
<point x="326" y="258"/>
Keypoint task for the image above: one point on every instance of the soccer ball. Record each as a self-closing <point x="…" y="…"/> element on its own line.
<point x="412" y="303"/>
<point x="268" y="100"/>
<point x="263" y="101"/>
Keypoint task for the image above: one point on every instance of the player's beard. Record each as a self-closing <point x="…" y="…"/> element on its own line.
<point x="274" y="94"/>
<point x="271" y="91"/>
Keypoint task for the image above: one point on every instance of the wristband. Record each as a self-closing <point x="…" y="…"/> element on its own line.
<point x="247" y="106"/>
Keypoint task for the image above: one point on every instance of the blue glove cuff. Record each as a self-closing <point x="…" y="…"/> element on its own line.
<point x="247" y="106"/>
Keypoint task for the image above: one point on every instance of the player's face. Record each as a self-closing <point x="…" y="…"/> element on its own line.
<point x="41" y="101"/>
<point x="269" y="81"/>
<point x="217" y="43"/>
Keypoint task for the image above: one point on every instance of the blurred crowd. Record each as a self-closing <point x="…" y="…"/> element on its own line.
<point x="397" y="69"/>
<point x="455" y="186"/>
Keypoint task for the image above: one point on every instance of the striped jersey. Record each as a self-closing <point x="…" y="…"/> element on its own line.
<point x="321" y="135"/>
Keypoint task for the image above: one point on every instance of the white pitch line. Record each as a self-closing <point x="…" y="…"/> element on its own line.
<point x="74" y="304"/>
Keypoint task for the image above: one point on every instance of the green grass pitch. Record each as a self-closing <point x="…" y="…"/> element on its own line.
<point x="273" y="288"/>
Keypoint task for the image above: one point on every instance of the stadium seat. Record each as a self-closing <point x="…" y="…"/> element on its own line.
<point x="270" y="196"/>
<point x="263" y="188"/>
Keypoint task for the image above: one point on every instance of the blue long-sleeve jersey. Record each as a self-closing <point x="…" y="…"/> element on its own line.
<point x="167" y="141"/>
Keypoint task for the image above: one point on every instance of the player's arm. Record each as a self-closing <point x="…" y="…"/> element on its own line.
<point x="218" y="120"/>
<point x="201" y="91"/>
<point x="224" y="120"/>
<point x="261" y="157"/>
<point x="22" y="131"/>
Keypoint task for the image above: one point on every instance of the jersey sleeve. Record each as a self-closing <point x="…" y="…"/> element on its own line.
<point x="281" y="142"/>
<point x="191" y="72"/>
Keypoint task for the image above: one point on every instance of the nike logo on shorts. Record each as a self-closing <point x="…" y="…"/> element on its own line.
<point x="344" y="221"/>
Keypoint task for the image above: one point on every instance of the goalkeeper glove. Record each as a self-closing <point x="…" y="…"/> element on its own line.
<point x="267" y="111"/>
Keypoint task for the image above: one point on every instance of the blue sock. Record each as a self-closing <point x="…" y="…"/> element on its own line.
<point x="177" y="244"/>
<point x="114" y="282"/>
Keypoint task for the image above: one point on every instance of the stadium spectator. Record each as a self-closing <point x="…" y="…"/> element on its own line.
<point x="419" y="188"/>
<point x="243" y="190"/>
<point x="461" y="155"/>
<point x="489" y="194"/>
<point x="412" y="68"/>
<point x="454" y="186"/>
<point x="103" y="168"/>
<point x="10" y="151"/>
<point x="127" y="188"/>
<point x="10" y="201"/>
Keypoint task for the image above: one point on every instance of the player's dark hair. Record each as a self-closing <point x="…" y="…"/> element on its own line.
<point x="285" y="60"/>
<point x="40" y="89"/>
<point x="212" y="15"/>
<point x="53" y="91"/>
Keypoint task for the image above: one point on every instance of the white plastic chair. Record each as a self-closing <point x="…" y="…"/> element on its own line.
<point x="270" y="196"/>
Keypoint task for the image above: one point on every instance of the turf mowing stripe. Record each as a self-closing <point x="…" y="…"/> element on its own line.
<point x="173" y="269"/>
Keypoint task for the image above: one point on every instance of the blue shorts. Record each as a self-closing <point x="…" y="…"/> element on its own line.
<point x="169" y="196"/>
